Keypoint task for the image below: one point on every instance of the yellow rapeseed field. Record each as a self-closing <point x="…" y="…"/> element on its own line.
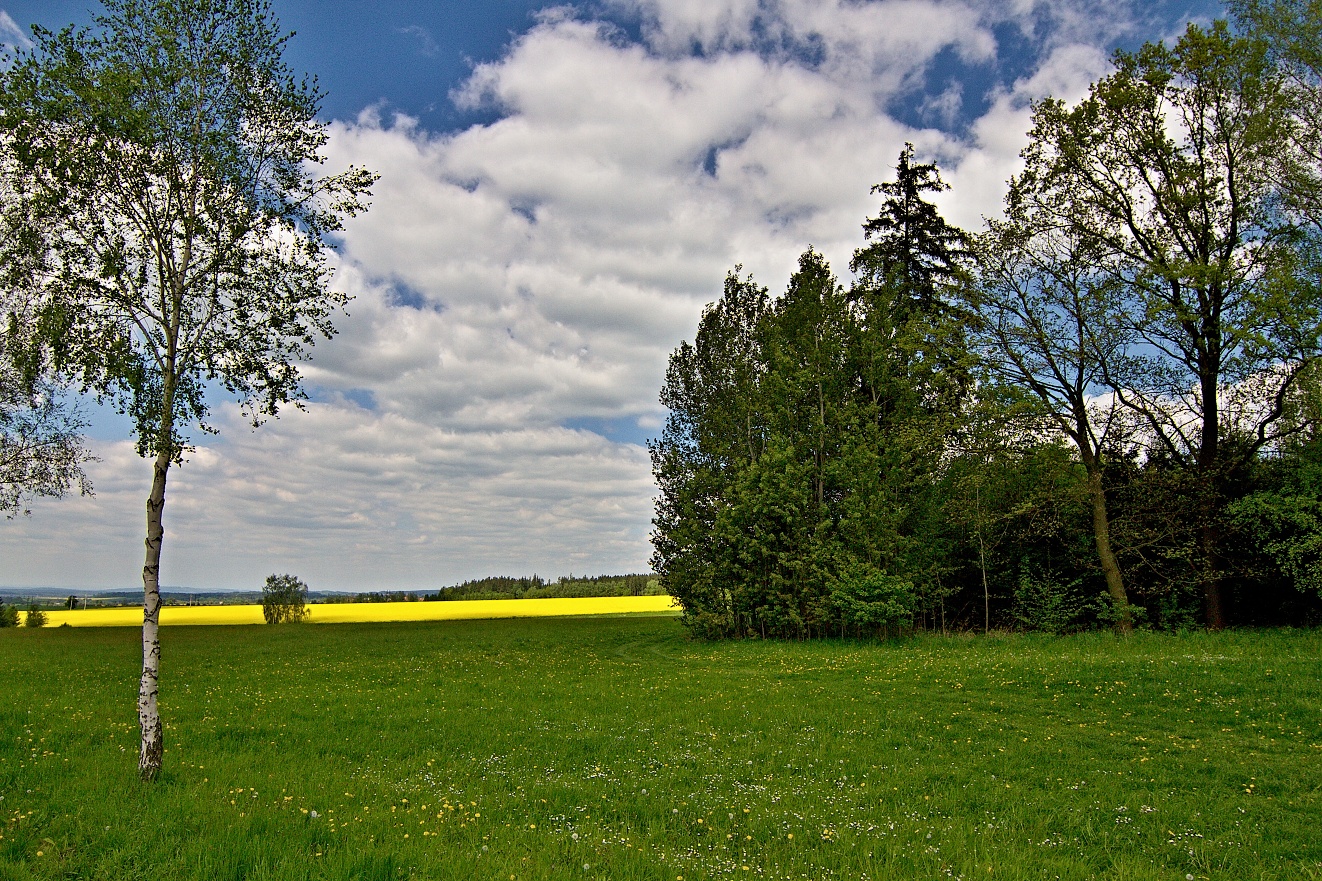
<point x="346" y="613"/>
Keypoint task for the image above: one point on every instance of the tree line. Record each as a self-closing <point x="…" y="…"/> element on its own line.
<point x="536" y="587"/>
<point x="1101" y="409"/>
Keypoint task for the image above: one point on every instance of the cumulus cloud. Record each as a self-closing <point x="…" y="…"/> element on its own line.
<point x="350" y="500"/>
<point x="523" y="280"/>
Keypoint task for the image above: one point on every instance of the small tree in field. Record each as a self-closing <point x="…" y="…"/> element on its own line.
<point x="284" y="600"/>
<point x="8" y="616"/>
<point x="35" y="617"/>
<point x="161" y="210"/>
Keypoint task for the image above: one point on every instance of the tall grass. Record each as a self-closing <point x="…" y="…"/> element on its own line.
<point x="615" y="748"/>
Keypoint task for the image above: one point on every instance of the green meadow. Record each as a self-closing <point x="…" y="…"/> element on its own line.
<point x="616" y="748"/>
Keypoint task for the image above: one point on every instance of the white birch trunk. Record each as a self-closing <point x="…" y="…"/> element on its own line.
<point x="149" y="717"/>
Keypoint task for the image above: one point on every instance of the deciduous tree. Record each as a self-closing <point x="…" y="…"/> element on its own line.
<point x="1164" y="176"/>
<point x="176" y="230"/>
<point x="1049" y="321"/>
<point x="284" y="600"/>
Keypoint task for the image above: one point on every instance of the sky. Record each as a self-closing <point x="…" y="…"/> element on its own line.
<point x="563" y="188"/>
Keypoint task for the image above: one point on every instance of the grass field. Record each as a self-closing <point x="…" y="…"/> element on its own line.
<point x="614" y="748"/>
<point x="361" y="613"/>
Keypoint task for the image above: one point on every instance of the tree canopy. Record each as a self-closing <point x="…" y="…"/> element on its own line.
<point x="1100" y="410"/>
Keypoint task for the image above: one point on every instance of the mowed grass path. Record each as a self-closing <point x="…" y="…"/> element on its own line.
<point x="615" y="748"/>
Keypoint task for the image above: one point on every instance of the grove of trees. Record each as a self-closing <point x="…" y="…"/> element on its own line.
<point x="1100" y="410"/>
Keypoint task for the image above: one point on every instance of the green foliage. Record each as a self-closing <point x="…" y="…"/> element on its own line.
<point x="1212" y="281"/>
<point x="35" y="617"/>
<point x="1288" y="528"/>
<point x="162" y="221"/>
<point x="165" y="228"/>
<point x="536" y="588"/>
<point x="873" y="603"/>
<point x="911" y="247"/>
<point x="1044" y="601"/>
<point x="284" y="600"/>
<point x="803" y="432"/>
<point x="1288" y="31"/>
<point x="1081" y="401"/>
<point x="8" y="615"/>
<point x="41" y="450"/>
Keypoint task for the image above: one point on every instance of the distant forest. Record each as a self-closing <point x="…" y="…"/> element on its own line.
<point x="1102" y="410"/>
<point x="507" y="588"/>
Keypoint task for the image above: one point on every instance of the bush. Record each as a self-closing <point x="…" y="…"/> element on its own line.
<point x="284" y="600"/>
<point x="35" y="617"/>
<point x="874" y="603"/>
<point x="1049" y="604"/>
<point x="8" y="616"/>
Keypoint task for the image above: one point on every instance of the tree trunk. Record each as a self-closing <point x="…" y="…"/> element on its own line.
<point x="1212" y="474"/>
<point x="1101" y="530"/>
<point x="982" y="560"/>
<point x="1211" y="576"/>
<point x="149" y="717"/>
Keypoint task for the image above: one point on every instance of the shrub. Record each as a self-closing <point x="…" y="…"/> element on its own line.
<point x="8" y="616"/>
<point x="284" y="600"/>
<point x="874" y="603"/>
<point x="1049" y="604"/>
<point x="35" y="617"/>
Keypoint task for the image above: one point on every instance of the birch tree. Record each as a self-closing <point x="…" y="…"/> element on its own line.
<point x="166" y="209"/>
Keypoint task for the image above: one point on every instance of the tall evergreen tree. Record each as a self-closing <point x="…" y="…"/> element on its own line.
<point x="910" y="245"/>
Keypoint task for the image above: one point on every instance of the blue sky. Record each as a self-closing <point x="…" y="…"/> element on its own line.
<point x="563" y="188"/>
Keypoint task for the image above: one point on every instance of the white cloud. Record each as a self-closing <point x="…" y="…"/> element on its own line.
<point x="11" y="34"/>
<point x="350" y="500"/>
<point x="978" y="180"/>
<point x="426" y="42"/>
<point x="533" y="273"/>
